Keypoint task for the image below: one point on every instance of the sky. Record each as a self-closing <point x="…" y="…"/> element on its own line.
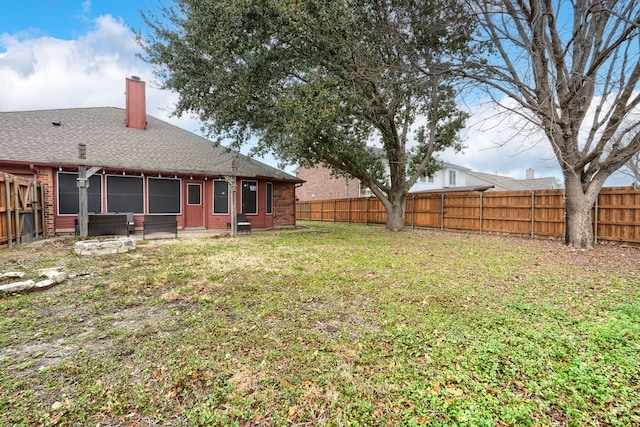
<point x="77" y="53"/>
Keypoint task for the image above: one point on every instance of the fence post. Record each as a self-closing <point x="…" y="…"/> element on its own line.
<point x="481" y="193"/>
<point x="533" y="213"/>
<point x="595" y="224"/>
<point x="7" y="187"/>
<point x="335" y="204"/>
<point x="366" y="211"/>
<point x="442" y="213"/>
<point x="349" y="211"/>
<point x="34" y="207"/>
<point x="16" y="210"/>
<point x="413" y="210"/>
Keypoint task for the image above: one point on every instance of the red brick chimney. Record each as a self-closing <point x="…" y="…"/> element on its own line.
<point x="136" y="104"/>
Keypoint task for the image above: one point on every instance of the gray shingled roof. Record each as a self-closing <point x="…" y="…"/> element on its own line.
<point x="512" y="183"/>
<point x="30" y="136"/>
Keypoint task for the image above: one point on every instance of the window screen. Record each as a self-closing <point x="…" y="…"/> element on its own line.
<point x="194" y="193"/>
<point x="68" y="193"/>
<point x="220" y="197"/>
<point x="164" y="195"/>
<point x="125" y="194"/>
<point x="269" y="197"/>
<point x="250" y="197"/>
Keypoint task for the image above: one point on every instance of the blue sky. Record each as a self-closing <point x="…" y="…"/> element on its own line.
<point x="77" y="53"/>
<point x="67" y="19"/>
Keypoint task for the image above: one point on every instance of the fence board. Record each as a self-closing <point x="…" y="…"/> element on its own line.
<point x="618" y="215"/>
<point x="21" y="210"/>
<point x="540" y="213"/>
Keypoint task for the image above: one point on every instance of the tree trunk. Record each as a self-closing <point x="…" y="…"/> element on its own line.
<point x="578" y="205"/>
<point x="395" y="212"/>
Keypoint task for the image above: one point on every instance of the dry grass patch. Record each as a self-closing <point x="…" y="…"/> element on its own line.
<point x="327" y="325"/>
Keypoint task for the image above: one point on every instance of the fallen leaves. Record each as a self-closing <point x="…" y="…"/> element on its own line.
<point x="454" y="390"/>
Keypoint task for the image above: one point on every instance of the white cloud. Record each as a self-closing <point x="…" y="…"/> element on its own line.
<point x="503" y="143"/>
<point x="39" y="72"/>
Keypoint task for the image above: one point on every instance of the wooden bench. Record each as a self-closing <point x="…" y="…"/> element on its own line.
<point x="159" y="224"/>
<point x="244" y="224"/>
<point x="107" y="225"/>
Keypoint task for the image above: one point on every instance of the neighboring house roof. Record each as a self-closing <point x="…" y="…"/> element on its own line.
<point x="509" y="183"/>
<point x="446" y="165"/>
<point x="539" y="183"/>
<point x="503" y="182"/>
<point x="31" y="137"/>
<point x="456" y="189"/>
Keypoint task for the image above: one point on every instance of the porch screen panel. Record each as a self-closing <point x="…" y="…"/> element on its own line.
<point x="250" y="197"/>
<point x="164" y="196"/>
<point x="68" y="193"/>
<point x="125" y="194"/>
<point x="220" y="197"/>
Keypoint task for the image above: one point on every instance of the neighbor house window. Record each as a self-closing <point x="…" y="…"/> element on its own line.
<point x="452" y="177"/>
<point x="269" y="198"/>
<point x="164" y="195"/>
<point x="220" y="197"/>
<point x="250" y="197"/>
<point x="68" y="194"/>
<point x="125" y="194"/>
<point x="430" y="180"/>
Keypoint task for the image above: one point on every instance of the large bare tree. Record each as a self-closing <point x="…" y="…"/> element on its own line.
<point x="573" y="66"/>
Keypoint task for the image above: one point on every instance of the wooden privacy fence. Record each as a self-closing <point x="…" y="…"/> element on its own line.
<point x="21" y="210"/>
<point x="539" y="213"/>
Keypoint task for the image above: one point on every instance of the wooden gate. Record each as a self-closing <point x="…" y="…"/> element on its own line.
<point x="21" y="210"/>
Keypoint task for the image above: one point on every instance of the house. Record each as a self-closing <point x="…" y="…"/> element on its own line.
<point x="450" y="176"/>
<point x="319" y="185"/>
<point x="143" y="165"/>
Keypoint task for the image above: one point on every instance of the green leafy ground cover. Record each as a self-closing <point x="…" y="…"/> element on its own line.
<point x="332" y="325"/>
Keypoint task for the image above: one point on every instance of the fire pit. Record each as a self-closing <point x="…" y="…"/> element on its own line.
<point x="117" y="245"/>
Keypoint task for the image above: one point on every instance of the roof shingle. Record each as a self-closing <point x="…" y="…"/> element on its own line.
<point x="30" y="136"/>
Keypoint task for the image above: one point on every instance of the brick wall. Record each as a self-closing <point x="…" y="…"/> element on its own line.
<point x="320" y="185"/>
<point x="45" y="175"/>
<point x="284" y="204"/>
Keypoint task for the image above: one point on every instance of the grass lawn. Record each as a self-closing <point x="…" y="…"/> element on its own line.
<point x="335" y="325"/>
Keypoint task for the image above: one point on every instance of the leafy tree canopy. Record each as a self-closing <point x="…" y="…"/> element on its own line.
<point x="317" y="81"/>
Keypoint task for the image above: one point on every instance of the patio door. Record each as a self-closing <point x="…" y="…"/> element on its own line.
<point x="194" y="212"/>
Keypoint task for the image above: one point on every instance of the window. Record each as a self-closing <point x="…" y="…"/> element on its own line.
<point x="220" y="197"/>
<point x="452" y="177"/>
<point x="430" y="180"/>
<point x="125" y="194"/>
<point x="250" y="197"/>
<point x="68" y="194"/>
<point x="269" y="198"/>
<point x="164" y="196"/>
<point x="194" y="194"/>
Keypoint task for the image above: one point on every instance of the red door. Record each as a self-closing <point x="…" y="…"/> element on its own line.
<point x="194" y="215"/>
